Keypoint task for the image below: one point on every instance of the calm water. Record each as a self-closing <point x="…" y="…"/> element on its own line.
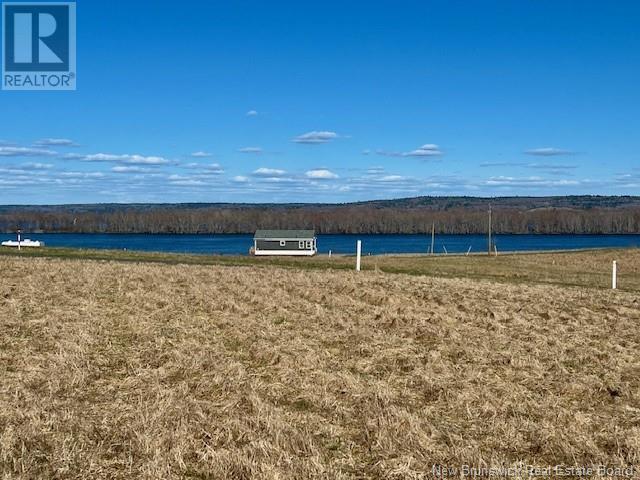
<point x="374" y="244"/>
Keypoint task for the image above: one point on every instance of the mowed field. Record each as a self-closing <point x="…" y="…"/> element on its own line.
<point x="127" y="370"/>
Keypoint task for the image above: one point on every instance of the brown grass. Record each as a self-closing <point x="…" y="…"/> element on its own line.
<point x="590" y="268"/>
<point x="124" y="370"/>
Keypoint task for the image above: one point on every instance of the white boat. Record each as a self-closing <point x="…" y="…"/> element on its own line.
<point x="23" y="243"/>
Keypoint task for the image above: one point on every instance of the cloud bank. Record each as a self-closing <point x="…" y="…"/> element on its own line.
<point x="316" y="137"/>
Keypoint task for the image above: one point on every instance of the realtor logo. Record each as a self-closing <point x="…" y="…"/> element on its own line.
<point x="38" y="46"/>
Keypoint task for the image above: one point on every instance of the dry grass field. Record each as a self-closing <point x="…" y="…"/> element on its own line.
<point x="147" y="370"/>
<point x="572" y="268"/>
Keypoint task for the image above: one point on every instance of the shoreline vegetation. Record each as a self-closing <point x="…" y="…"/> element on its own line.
<point x="421" y="234"/>
<point x="449" y="215"/>
<point x="133" y="365"/>
<point x="588" y="267"/>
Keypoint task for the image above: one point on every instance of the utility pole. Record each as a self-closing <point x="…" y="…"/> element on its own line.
<point x="433" y="236"/>
<point x="490" y="226"/>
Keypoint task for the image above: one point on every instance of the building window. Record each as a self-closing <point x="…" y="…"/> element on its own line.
<point x="301" y="245"/>
<point x="308" y="244"/>
<point x="283" y="243"/>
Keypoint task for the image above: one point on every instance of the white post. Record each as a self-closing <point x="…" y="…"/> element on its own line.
<point x="358" y="253"/>
<point x="433" y="237"/>
<point x="614" y="281"/>
<point x="329" y="253"/>
<point x="18" y="239"/>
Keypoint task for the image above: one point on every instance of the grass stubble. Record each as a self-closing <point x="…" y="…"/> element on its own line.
<point x="136" y="370"/>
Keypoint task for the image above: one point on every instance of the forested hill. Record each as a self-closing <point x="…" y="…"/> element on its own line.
<point x="569" y="214"/>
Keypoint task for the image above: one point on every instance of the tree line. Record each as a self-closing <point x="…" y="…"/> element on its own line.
<point x="350" y="219"/>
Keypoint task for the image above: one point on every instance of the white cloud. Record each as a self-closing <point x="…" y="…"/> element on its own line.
<point x="268" y="172"/>
<point x="252" y="113"/>
<point x="392" y="178"/>
<point x="256" y="150"/>
<point x="132" y="169"/>
<point x="426" y="150"/>
<point x="316" y="137"/>
<point x="551" y="166"/>
<point x="548" y="151"/>
<point x="36" y="166"/>
<point x="82" y="174"/>
<point x="211" y="168"/>
<point x="201" y="154"/>
<point x="187" y="182"/>
<point x="72" y="156"/>
<point x="126" y="159"/>
<point x="278" y="179"/>
<point x="25" y="152"/>
<point x="321" y="174"/>
<point x="240" y="179"/>
<point x="55" y="142"/>
<point x="391" y="184"/>
<point x="529" y="182"/>
<point x="628" y="180"/>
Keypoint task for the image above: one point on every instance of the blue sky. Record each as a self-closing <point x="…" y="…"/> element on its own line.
<point x="206" y="101"/>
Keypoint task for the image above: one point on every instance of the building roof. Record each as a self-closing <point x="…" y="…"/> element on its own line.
<point x="278" y="234"/>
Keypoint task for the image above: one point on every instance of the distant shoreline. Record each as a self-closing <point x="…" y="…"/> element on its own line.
<point x="406" y="216"/>
<point x="425" y="234"/>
